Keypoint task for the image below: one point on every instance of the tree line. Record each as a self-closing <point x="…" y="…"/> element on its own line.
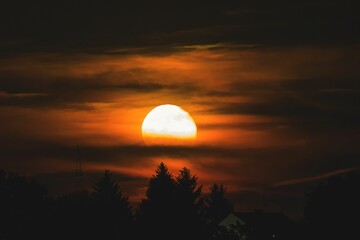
<point x="174" y="207"/>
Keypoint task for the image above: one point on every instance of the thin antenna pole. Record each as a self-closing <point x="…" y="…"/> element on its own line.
<point x="78" y="168"/>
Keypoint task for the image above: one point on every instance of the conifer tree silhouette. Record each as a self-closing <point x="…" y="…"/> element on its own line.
<point x="161" y="186"/>
<point x="217" y="204"/>
<point x="113" y="208"/>
<point x="186" y="188"/>
<point x="216" y="207"/>
<point x="157" y="209"/>
<point x="188" y="205"/>
<point x="171" y="208"/>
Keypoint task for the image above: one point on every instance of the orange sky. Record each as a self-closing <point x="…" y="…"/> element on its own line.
<point x="260" y="113"/>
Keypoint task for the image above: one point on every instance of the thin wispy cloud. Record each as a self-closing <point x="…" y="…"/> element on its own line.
<point x="314" y="178"/>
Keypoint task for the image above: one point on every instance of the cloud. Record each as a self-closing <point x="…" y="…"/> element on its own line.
<point x="56" y="26"/>
<point x="314" y="178"/>
<point x="301" y="104"/>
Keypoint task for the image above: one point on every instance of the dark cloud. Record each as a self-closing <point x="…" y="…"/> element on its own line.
<point x="288" y="196"/>
<point x="284" y="163"/>
<point x="94" y="25"/>
<point x="304" y="104"/>
<point x="314" y="178"/>
<point x="253" y="126"/>
<point x="75" y="92"/>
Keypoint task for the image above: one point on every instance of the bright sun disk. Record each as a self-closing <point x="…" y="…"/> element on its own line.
<point x="168" y="122"/>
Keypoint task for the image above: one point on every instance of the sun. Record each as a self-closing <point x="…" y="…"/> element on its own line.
<point x="168" y="124"/>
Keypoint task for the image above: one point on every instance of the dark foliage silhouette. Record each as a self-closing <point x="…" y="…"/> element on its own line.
<point x="333" y="209"/>
<point x="104" y="213"/>
<point x="172" y="204"/>
<point x="156" y="210"/>
<point x="24" y="208"/>
<point x="27" y="212"/>
<point x="173" y="208"/>
<point x="188" y="205"/>
<point x="112" y="207"/>
<point x="161" y="186"/>
<point x="74" y="217"/>
<point x="216" y="207"/>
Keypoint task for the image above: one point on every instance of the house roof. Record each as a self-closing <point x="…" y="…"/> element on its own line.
<point x="230" y="220"/>
<point x="261" y="216"/>
<point x="265" y="225"/>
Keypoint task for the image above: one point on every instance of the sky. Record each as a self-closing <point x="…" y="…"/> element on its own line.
<point x="273" y="87"/>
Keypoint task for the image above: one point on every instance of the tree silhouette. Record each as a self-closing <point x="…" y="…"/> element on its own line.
<point x="171" y="209"/>
<point x="24" y="206"/>
<point x="161" y="186"/>
<point x="332" y="207"/>
<point x="74" y="217"/>
<point x="188" y="205"/>
<point x="113" y="208"/>
<point x="187" y="190"/>
<point x="156" y="210"/>
<point x="217" y="206"/>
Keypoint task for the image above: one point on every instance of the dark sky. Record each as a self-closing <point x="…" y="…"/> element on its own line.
<point x="273" y="87"/>
<point x="94" y="26"/>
